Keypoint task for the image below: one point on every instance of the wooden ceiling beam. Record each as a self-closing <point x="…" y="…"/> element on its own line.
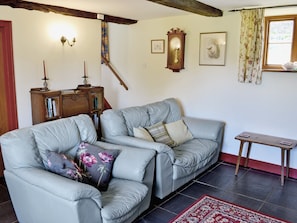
<point x="191" y="6"/>
<point x="65" y="11"/>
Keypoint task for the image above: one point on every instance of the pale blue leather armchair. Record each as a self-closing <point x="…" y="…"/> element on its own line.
<point x="39" y="196"/>
<point x="174" y="166"/>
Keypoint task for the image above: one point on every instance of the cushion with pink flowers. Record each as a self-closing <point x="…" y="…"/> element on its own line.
<point x="97" y="162"/>
<point x="65" y="166"/>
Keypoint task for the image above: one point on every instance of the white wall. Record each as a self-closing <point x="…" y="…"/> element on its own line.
<point x="33" y="42"/>
<point x="211" y="92"/>
<point x="204" y="91"/>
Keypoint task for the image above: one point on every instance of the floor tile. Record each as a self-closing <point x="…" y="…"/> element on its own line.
<point x="285" y="196"/>
<point x="157" y="215"/>
<point x="178" y="203"/>
<point x="7" y="214"/>
<point x="280" y="212"/>
<point x="4" y="196"/>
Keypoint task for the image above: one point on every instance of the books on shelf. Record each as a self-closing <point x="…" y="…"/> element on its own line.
<point x="51" y="107"/>
<point x="95" y="102"/>
<point x="54" y="107"/>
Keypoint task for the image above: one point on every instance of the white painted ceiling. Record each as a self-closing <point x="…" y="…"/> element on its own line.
<point x="142" y="9"/>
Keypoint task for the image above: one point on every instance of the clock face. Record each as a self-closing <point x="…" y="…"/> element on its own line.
<point x="175" y="43"/>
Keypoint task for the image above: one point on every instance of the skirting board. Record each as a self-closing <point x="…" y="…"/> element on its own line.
<point x="256" y="164"/>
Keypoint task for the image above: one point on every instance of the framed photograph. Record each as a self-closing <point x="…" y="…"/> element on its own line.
<point x="157" y="46"/>
<point x="212" y="49"/>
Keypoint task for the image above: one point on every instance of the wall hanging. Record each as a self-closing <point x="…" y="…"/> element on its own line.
<point x="157" y="46"/>
<point x="212" y="48"/>
<point x="176" y="49"/>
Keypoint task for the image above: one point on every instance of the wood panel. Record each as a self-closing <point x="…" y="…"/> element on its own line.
<point x="75" y="103"/>
<point x="66" y="11"/>
<point x="8" y="110"/>
<point x="191" y="6"/>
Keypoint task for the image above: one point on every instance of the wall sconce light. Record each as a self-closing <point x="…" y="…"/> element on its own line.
<point x="64" y="39"/>
<point x="176" y="49"/>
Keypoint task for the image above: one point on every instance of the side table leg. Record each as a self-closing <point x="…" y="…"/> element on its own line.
<point x="248" y="154"/>
<point x="239" y="157"/>
<point x="288" y="163"/>
<point x="282" y="166"/>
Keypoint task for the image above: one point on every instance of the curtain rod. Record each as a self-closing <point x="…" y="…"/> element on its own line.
<point x="268" y="7"/>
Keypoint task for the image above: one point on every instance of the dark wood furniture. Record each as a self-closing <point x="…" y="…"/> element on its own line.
<point x="284" y="144"/>
<point x="51" y="105"/>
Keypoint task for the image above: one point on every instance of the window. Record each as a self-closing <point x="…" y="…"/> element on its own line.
<point x="280" y="41"/>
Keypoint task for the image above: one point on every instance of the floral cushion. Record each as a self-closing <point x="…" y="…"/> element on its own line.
<point x="65" y="166"/>
<point x="97" y="162"/>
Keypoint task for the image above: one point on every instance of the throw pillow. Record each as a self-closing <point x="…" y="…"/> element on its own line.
<point x="160" y="134"/>
<point x="98" y="162"/>
<point x="179" y="132"/>
<point x="142" y="133"/>
<point x="65" y="166"/>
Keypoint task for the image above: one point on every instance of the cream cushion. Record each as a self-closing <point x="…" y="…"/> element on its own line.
<point x="178" y="131"/>
<point x="142" y="133"/>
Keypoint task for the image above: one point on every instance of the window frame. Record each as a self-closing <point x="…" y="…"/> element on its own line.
<point x="269" y="19"/>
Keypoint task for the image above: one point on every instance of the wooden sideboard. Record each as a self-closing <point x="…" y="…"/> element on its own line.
<point x="52" y="105"/>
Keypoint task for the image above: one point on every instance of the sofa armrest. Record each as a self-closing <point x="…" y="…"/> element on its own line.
<point x="140" y="143"/>
<point x="58" y="186"/>
<point x="131" y="163"/>
<point x="205" y="128"/>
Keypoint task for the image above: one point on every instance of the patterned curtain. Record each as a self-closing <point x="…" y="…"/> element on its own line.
<point x="251" y="46"/>
<point x="104" y="41"/>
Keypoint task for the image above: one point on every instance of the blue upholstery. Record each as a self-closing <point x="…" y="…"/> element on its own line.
<point x="41" y="196"/>
<point x="174" y="166"/>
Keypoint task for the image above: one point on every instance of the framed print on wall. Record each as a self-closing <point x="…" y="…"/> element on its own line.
<point x="212" y="49"/>
<point x="157" y="46"/>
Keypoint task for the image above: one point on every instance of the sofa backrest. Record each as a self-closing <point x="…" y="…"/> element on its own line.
<point x="121" y="122"/>
<point x="26" y="147"/>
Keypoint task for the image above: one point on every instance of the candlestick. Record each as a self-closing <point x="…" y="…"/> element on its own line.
<point x="45" y="84"/>
<point x="44" y="70"/>
<point x="85" y="69"/>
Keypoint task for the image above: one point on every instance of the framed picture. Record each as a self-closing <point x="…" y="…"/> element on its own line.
<point x="157" y="46"/>
<point x="212" y="49"/>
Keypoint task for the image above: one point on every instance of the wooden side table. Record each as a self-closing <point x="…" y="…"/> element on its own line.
<point x="284" y="144"/>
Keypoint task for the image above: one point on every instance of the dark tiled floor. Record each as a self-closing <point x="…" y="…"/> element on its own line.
<point x="251" y="188"/>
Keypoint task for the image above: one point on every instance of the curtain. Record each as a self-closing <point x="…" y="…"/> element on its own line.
<point x="104" y="42"/>
<point x="251" y="46"/>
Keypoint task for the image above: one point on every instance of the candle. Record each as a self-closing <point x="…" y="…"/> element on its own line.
<point x="85" y="69"/>
<point x="44" y="71"/>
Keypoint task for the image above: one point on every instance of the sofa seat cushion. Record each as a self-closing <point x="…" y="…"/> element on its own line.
<point x="192" y="155"/>
<point x="119" y="201"/>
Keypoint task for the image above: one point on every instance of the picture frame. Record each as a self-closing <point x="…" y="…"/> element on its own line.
<point x="212" y="50"/>
<point x="157" y="46"/>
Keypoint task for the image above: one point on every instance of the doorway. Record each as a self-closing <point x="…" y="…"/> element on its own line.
<point x="8" y="108"/>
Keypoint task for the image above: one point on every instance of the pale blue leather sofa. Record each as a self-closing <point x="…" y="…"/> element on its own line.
<point x="39" y="196"/>
<point x="174" y="166"/>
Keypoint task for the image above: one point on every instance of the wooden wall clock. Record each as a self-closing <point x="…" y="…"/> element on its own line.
<point x="176" y="49"/>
